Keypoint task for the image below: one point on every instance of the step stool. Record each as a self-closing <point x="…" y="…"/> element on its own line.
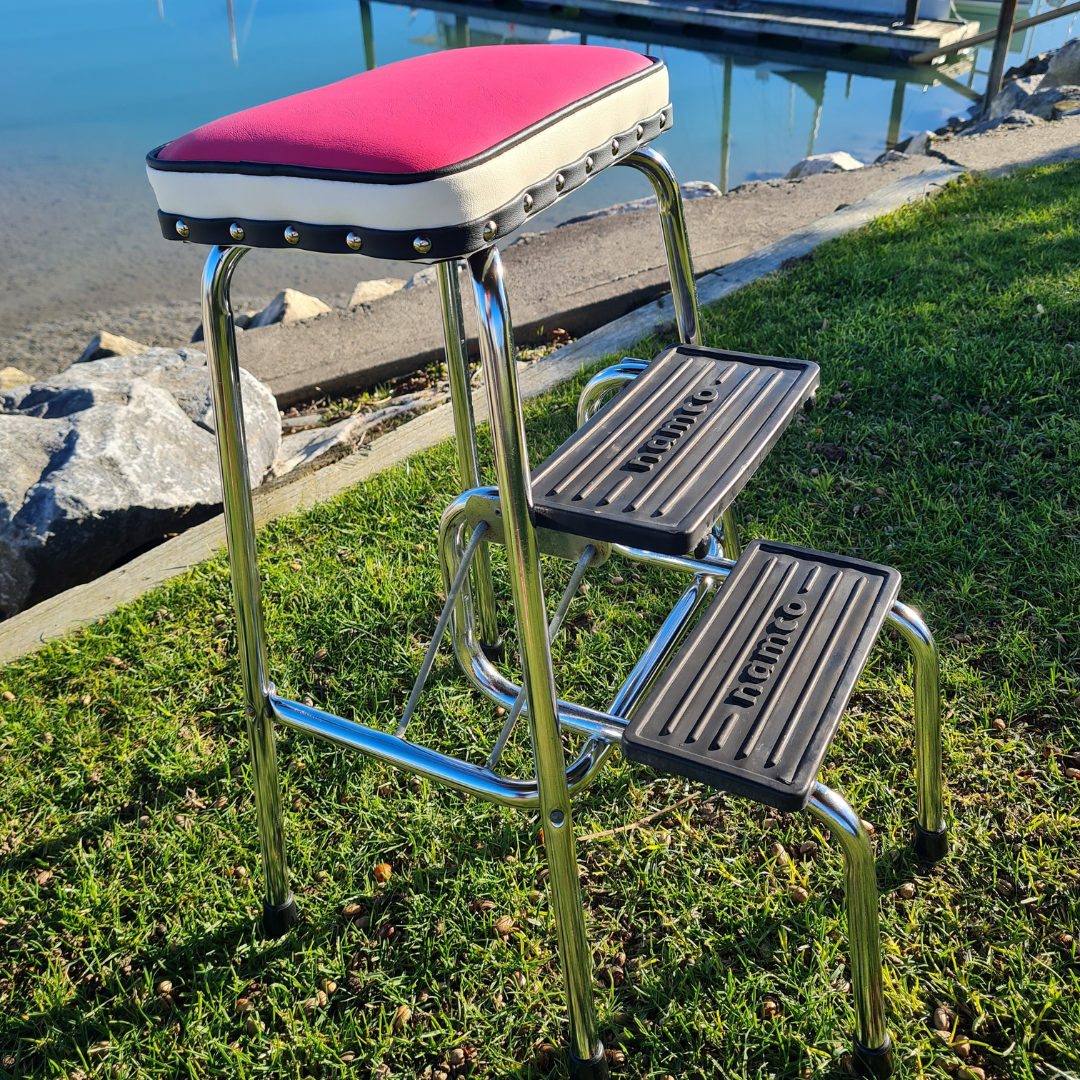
<point x="437" y="158"/>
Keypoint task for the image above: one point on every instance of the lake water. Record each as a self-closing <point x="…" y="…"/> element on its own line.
<point x="88" y="86"/>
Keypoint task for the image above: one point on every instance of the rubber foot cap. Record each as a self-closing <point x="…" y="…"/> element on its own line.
<point x="278" y="921"/>
<point x="493" y="652"/>
<point x="597" y="1069"/>
<point x="931" y="847"/>
<point x="874" y="1064"/>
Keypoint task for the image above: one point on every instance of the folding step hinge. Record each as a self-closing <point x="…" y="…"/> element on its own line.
<point x="483" y="505"/>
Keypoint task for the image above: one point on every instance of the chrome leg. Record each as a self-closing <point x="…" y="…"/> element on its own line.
<point x="676" y="243"/>
<point x="729" y="534"/>
<point x="457" y="367"/>
<point x="279" y="907"/>
<point x="873" y="1047"/>
<point x="931" y="835"/>
<point x="523" y="559"/>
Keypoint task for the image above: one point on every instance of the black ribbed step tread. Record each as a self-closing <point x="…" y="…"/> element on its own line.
<point x="657" y="466"/>
<point x="752" y="700"/>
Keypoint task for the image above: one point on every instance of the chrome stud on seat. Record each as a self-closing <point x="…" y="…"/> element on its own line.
<point x="422" y="245"/>
<point x="491" y="230"/>
<point x="527" y="202"/>
<point x="182" y="229"/>
<point x="354" y="241"/>
<point x="639" y="131"/>
<point x="560" y="181"/>
<point x="615" y="146"/>
<point x="236" y="231"/>
<point x="291" y="235"/>
<point x="589" y="164"/>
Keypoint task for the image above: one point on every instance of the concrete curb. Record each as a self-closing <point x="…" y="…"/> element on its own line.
<point x="53" y="618"/>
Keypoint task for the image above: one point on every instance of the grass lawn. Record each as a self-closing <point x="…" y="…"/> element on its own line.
<point x="946" y="443"/>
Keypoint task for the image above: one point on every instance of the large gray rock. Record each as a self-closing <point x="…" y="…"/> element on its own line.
<point x="105" y="459"/>
<point x="1013" y="96"/>
<point x="1063" y="68"/>
<point x="1049" y="102"/>
<point x="1013" y="119"/>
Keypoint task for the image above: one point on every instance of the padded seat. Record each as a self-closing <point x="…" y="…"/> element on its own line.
<point x="432" y="157"/>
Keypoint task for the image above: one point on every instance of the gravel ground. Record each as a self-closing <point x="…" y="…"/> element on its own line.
<point x="47" y="347"/>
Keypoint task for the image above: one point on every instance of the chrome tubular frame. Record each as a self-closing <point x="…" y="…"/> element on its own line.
<point x="523" y="560"/>
<point x="580" y="718"/>
<point x="873" y="1047"/>
<point x="279" y="906"/>
<point x="669" y="204"/>
<point x="457" y="368"/>
<point x="606" y="384"/>
<point x="431" y="764"/>
<point x="931" y="835"/>
<point x="471" y="612"/>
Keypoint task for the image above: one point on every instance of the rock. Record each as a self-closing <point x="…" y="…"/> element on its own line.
<point x="297" y="450"/>
<point x="918" y="144"/>
<point x="240" y="322"/>
<point x="1049" y="102"/>
<point x="289" y="306"/>
<point x="1014" y="95"/>
<point x="105" y="344"/>
<point x="106" y="458"/>
<point x="890" y="155"/>
<point x="1016" y="118"/>
<point x="1034" y="65"/>
<point x="428" y="276"/>
<point x="368" y="291"/>
<point x="819" y="163"/>
<point x="1063" y="66"/>
<point x="10" y="377"/>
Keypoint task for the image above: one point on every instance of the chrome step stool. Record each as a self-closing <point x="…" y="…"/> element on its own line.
<point x="437" y="158"/>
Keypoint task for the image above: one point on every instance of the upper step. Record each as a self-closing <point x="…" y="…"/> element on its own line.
<point x="752" y="700"/>
<point x="658" y="465"/>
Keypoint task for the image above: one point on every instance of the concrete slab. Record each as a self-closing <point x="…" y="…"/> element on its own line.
<point x="584" y="275"/>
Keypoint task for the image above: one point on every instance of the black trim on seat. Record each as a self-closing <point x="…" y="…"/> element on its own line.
<point x="351" y="176"/>
<point x="447" y="242"/>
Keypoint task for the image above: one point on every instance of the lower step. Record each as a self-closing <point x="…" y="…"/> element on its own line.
<point x="752" y="700"/>
<point x="658" y="465"/>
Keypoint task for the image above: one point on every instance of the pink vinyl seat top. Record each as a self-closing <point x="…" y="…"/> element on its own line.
<point x="432" y="157"/>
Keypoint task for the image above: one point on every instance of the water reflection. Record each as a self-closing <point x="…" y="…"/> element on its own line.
<point x="458" y="25"/>
<point x="80" y="223"/>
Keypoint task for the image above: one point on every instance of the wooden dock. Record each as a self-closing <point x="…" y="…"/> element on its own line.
<point x="861" y="45"/>
<point x="812" y="26"/>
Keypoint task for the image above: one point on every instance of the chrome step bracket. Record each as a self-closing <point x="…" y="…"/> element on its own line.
<point x="483" y="506"/>
<point x="752" y="700"/>
<point x="659" y="464"/>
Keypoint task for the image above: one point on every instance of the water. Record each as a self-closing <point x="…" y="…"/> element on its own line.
<point x="89" y="86"/>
